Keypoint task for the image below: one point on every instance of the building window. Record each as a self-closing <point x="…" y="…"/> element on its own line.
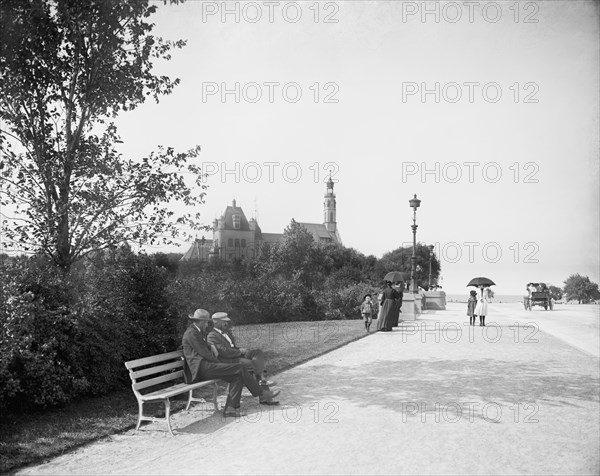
<point x="331" y="217"/>
<point x="230" y="255"/>
<point x="236" y="221"/>
<point x="230" y="242"/>
<point x="243" y="243"/>
<point x="237" y="243"/>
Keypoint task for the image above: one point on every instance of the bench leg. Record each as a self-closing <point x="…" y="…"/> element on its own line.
<point x="215" y="395"/>
<point x="168" y="415"/>
<point x="140" y="414"/>
<point x="190" y="396"/>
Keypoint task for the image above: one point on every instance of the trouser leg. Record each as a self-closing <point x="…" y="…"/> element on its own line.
<point x="250" y="382"/>
<point x="259" y="363"/>
<point x="231" y="373"/>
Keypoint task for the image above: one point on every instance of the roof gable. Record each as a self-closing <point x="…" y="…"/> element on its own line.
<point x="228" y="219"/>
<point x="319" y="231"/>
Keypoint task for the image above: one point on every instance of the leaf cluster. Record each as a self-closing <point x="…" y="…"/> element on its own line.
<point x="67" y="68"/>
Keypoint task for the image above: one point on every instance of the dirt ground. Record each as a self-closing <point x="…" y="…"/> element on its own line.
<point x="434" y="396"/>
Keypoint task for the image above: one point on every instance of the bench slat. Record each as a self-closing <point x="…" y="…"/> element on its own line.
<point x="175" y="390"/>
<point x="156" y="380"/>
<point x="154" y="359"/>
<point x="155" y="370"/>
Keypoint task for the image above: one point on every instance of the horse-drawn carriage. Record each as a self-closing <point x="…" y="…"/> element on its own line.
<point x="539" y="295"/>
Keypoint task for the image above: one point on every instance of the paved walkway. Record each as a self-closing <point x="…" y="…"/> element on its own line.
<point x="435" y="397"/>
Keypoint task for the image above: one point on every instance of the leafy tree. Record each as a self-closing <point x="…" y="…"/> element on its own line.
<point x="581" y="289"/>
<point x="297" y="257"/>
<point x="399" y="260"/>
<point x="555" y="292"/>
<point x="67" y="68"/>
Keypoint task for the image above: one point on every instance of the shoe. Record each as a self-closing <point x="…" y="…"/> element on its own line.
<point x="232" y="412"/>
<point x="269" y="395"/>
<point x="268" y="402"/>
<point x="267" y="383"/>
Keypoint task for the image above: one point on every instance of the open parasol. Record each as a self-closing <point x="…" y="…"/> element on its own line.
<point x="395" y="276"/>
<point x="481" y="281"/>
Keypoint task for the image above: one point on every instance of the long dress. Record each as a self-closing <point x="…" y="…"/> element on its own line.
<point x="482" y="305"/>
<point x="389" y="310"/>
<point x="398" y="308"/>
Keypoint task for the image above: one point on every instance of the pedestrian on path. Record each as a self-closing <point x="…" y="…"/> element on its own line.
<point x="389" y="308"/>
<point x="398" y="285"/>
<point x="367" y="309"/>
<point x="471" y="303"/>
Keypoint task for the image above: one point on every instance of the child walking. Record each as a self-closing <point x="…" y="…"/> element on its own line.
<point x="471" y="303"/>
<point x="366" y="309"/>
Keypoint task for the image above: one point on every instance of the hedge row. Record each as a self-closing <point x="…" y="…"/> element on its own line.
<point x="64" y="336"/>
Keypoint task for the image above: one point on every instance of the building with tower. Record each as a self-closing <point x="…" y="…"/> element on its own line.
<point x="236" y="237"/>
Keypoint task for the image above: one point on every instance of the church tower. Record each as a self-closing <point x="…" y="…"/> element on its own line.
<point x="329" y="208"/>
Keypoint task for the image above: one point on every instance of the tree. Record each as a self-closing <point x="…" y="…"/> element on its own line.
<point x="399" y="260"/>
<point x="297" y="257"/>
<point x="580" y="288"/>
<point x="555" y="292"/>
<point x="67" y="68"/>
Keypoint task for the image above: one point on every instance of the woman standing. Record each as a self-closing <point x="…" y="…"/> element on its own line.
<point x="398" y="285"/>
<point x="482" y="306"/>
<point x="389" y="308"/>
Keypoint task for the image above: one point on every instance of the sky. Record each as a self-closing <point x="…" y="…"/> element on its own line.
<point x="488" y="112"/>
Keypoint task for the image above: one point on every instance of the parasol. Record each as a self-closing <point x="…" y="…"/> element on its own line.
<point x="395" y="276"/>
<point x="481" y="281"/>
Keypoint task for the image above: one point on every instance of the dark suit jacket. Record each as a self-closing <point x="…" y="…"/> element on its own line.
<point x="195" y="350"/>
<point x="226" y="352"/>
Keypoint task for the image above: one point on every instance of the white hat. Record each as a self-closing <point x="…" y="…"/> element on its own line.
<point x="200" y="315"/>
<point x="221" y="316"/>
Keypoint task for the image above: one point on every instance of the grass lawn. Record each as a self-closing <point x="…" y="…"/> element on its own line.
<point x="33" y="437"/>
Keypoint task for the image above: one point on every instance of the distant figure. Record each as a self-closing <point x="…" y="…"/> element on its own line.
<point x="533" y="288"/>
<point x="471" y="303"/>
<point x="367" y="309"/>
<point x="482" y="306"/>
<point x="389" y="309"/>
<point x="398" y="285"/>
<point x="421" y="293"/>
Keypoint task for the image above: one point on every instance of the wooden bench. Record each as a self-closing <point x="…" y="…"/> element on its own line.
<point x="166" y="372"/>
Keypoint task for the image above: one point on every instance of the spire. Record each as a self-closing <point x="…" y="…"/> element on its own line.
<point x="330" y="181"/>
<point x="329" y="206"/>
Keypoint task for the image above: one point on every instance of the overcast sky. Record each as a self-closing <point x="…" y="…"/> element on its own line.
<point x="487" y="111"/>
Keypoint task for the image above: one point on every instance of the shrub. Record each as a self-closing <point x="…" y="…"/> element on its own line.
<point x="38" y="329"/>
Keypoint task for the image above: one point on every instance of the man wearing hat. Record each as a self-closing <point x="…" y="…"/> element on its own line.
<point x="223" y="340"/>
<point x="201" y="363"/>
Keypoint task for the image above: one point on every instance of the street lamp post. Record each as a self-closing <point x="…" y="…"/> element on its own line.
<point x="430" y="258"/>
<point x="414" y="204"/>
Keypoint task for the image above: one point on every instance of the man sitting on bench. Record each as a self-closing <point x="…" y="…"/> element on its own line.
<point x="254" y="360"/>
<point x="202" y="363"/>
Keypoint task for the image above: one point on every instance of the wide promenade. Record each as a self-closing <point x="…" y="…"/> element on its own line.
<point x="520" y="396"/>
